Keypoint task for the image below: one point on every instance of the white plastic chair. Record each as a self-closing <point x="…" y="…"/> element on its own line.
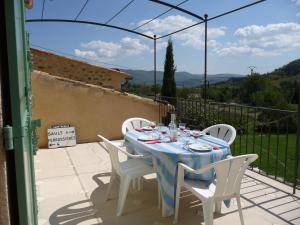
<point x="222" y="131"/>
<point x="127" y="171"/>
<point x="229" y="174"/>
<point x="133" y="123"/>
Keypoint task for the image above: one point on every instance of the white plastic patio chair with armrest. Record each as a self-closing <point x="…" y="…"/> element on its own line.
<point x="127" y="171"/>
<point x="229" y="174"/>
<point x="130" y="124"/>
<point x="222" y="131"/>
<point x="133" y="123"/>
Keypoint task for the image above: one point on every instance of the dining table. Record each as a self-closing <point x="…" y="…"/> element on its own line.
<point x="167" y="154"/>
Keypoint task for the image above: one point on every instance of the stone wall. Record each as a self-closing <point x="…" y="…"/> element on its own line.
<point x="91" y="109"/>
<point x="77" y="70"/>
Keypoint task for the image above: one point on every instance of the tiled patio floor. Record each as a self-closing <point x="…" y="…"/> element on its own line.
<point x="71" y="184"/>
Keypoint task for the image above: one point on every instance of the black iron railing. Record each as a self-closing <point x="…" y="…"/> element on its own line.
<point x="273" y="134"/>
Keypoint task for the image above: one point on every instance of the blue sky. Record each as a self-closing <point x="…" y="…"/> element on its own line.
<point x="266" y="35"/>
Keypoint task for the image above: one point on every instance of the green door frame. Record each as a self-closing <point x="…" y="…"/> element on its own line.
<point x="20" y="127"/>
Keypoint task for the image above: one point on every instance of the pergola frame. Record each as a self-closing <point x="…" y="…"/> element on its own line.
<point x="204" y="20"/>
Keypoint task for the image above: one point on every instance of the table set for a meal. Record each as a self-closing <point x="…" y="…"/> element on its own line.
<point x="166" y="149"/>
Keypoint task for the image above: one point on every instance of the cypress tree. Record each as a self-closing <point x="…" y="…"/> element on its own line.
<point x="168" y="90"/>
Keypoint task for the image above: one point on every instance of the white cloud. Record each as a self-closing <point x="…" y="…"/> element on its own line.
<point x="296" y="1"/>
<point x="270" y="29"/>
<point x="108" y="51"/>
<point x="149" y="33"/>
<point x="268" y="40"/>
<point x="166" y="25"/>
<point x="85" y="54"/>
<point x="193" y="37"/>
<point x="298" y="14"/>
<point x="161" y="45"/>
<point x="133" y="46"/>
<point x="102" y="48"/>
<point x="127" y="46"/>
<point x="244" y="50"/>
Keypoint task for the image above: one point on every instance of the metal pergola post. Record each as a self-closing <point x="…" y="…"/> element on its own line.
<point x="154" y="64"/>
<point x="205" y="64"/>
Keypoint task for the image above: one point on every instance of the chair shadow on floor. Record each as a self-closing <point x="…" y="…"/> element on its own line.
<point x="141" y="206"/>
<point x="96" y="210"/>
<point x="77" y="212"/>
<point x="270" y="200"/>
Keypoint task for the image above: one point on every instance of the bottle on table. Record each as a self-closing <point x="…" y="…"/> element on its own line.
<point x="173" y="127"/>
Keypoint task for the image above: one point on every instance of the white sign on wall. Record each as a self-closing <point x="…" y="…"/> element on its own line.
<point x="61" y="136"/>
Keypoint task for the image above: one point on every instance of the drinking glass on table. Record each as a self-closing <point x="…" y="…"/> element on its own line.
<point x="187" y="131"/>
<point x="182" y="126"/>
<point x="163" y="131"/>
<point x="158" y="129"/>
<point x="152" y="124"/>
<point x="160" y="126"/>
<point x="185" y="139"/>
<point x="196" y="135"/>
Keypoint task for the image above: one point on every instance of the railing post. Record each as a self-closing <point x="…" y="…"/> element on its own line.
<point x="297" y="142"/>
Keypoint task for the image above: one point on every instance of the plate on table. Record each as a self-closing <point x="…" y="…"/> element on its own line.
<point x="147" y="138"/>
<point x="147" y="128"/>
<point x="200" y="147"/>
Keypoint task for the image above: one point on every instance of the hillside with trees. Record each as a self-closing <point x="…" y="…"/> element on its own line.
<point x="277" y="89"/>
<point x="183" y="78"/>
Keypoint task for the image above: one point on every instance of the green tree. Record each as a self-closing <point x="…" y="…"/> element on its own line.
<point x="184" y="92"/>
<point x="295" y="96"/>
<point x="155" y="89"/>
<point x="269" y="97"/>
<point x="168" y="90"/>
<point x="252" y="84"/>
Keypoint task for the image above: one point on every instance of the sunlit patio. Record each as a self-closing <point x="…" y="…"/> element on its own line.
<point x="71" y="185"/>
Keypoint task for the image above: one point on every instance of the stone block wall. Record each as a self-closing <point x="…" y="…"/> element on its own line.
<point x="77" y="70"/>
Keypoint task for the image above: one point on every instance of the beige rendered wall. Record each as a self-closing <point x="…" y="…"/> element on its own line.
<point x="91" y="109"/>
<point x="76" y="70"/>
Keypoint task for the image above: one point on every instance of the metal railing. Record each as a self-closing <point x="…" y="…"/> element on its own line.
<point x="273" y="134"/>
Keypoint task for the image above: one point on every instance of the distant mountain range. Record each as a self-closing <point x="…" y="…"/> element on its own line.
<point x="182" y="78"/>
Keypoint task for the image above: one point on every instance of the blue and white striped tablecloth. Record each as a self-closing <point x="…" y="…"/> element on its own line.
<point x="168" y="155"/>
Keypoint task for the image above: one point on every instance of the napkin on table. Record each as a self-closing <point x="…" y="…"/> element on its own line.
<point x="152" y="142"/>
<point x="214" y="147"/>
<point x="140" y="129"/>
